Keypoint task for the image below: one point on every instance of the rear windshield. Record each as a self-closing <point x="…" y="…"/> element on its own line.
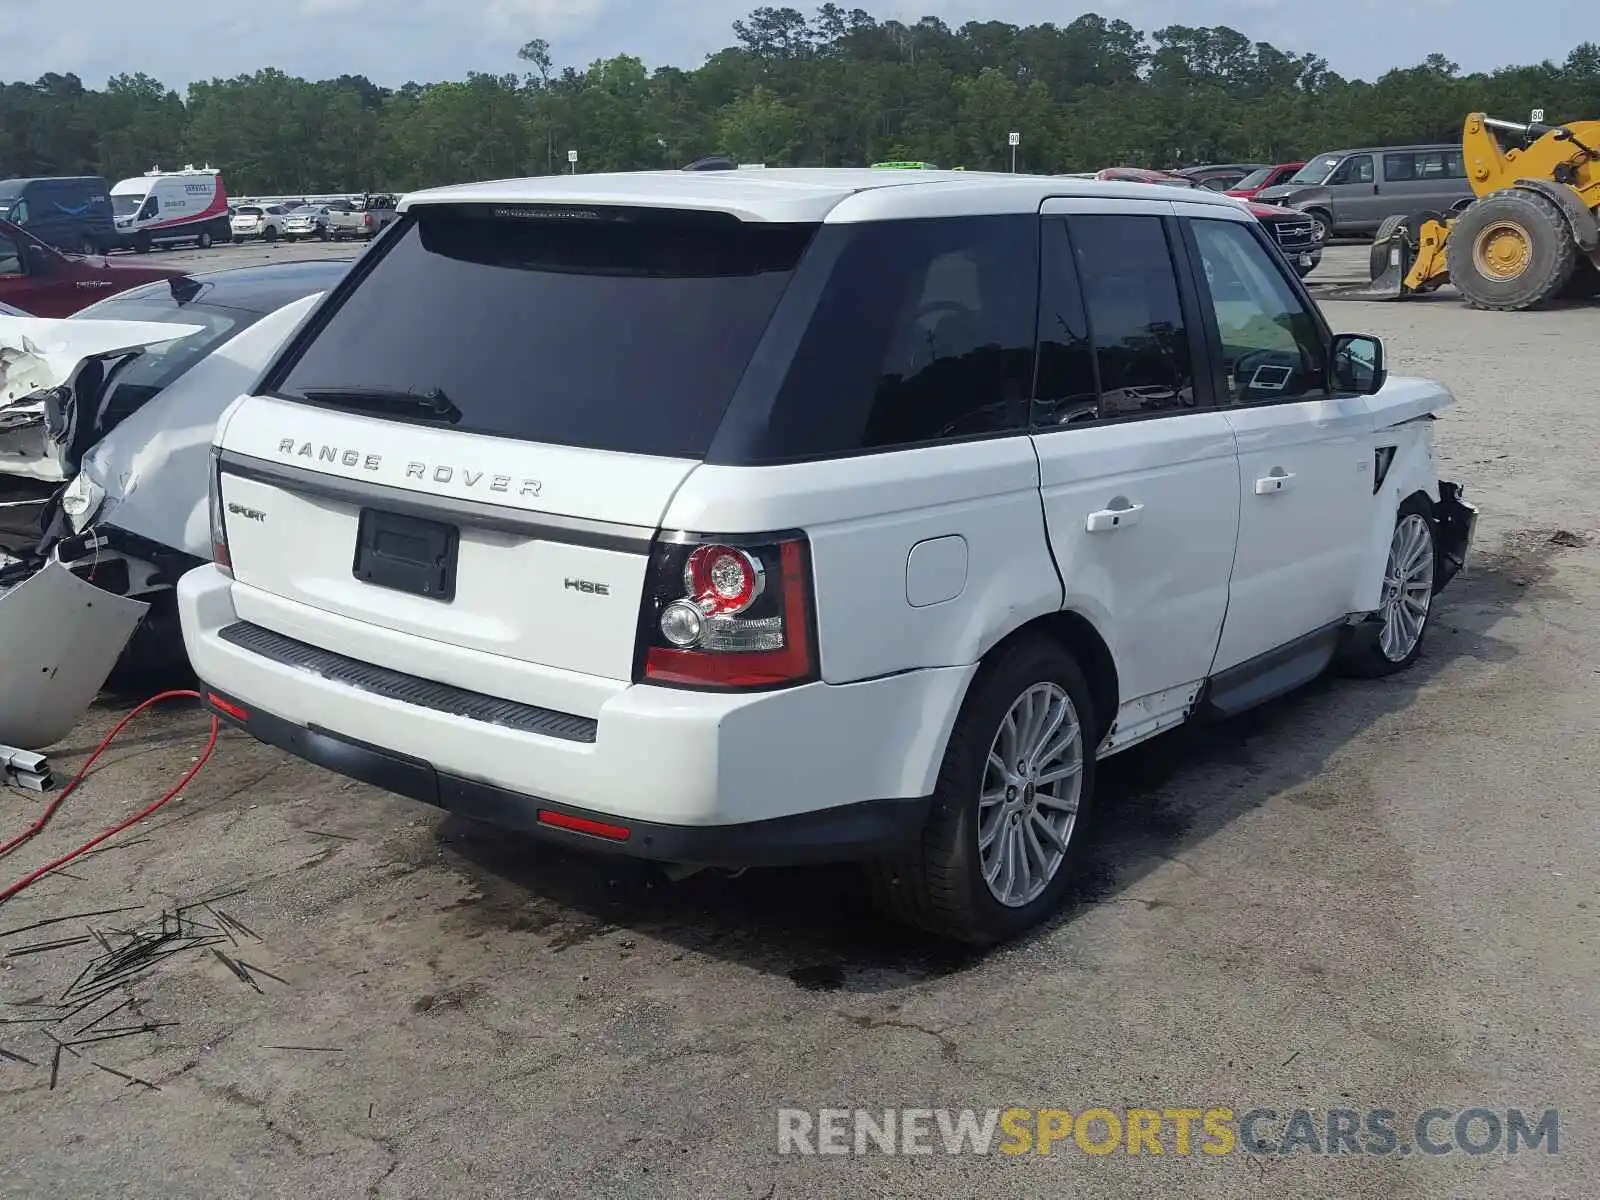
<point x="138" y="379"/>
<point x="1256" y="179"/>
<point x="606" y="329"/>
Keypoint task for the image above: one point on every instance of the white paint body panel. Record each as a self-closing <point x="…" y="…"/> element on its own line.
<point x="38" y="353"/>
<point x="1299" y="545"/>
<point x="155" y="467"/>
<point x="1156" y="589"/>
<point x="677" y="757"/>
<point x="864" y="515"/>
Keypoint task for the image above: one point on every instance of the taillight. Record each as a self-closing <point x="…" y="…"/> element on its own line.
<point x="369" y="220"/>
<point x="219" y="526"/>
<point x="728" y="612"/>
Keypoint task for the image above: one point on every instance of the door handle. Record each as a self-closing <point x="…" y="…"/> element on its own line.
<point x="1107" y="519"/>
<point x="1278" y="481"/>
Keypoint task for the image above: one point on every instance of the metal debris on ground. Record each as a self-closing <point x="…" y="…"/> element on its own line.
<point x="128" y="956"/>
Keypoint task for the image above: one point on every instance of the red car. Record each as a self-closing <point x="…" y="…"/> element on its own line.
<point x="43" y="282"/>
<point x="1253" y="184"/>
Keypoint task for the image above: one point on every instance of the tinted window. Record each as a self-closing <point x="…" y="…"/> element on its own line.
<point x="1271" y="345"/>
<point x="1423" y="165"/>
<point x="1065" y="391"/>
<point x="141" y="377"/>
<point x="1399" y="168"/>
<point x="1355" y="169"/>
<point x="1135" y="317"/>
<point x="627" y="331"/>
<point x="924" y="331"/>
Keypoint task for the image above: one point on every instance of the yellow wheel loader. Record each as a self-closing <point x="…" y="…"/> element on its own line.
<point x="1529" y="237"/>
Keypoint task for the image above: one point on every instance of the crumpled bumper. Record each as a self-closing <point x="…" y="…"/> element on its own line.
<point x="59" y="638"/>
<point x="1455" y="524"/>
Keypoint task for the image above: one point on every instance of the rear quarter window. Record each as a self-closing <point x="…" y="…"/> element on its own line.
<point x="620" y="330"/>
<point x="923" y="331"/>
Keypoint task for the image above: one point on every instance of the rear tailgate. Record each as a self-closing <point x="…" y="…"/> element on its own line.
<point x="478" y="443"/>
<point x="550" y="543"/>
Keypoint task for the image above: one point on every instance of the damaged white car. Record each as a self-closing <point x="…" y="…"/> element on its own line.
<point x="106" y="423"/>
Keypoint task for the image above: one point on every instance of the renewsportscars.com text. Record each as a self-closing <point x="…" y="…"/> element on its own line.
<point x="1181" y="1132"/>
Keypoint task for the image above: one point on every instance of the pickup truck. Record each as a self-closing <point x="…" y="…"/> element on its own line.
<point x="368" y="217"/>
<point x="44" y="282"/>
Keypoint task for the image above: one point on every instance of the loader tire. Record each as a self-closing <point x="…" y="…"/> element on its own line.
<point x="1378" y="256"/>
<point x="1511" y="251"/>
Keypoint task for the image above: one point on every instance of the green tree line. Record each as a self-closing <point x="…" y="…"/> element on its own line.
<point x="836" y="88"/>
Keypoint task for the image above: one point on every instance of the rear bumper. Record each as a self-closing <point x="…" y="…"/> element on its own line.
<point x="814" y="773"/>
<point x="841" y="834"/>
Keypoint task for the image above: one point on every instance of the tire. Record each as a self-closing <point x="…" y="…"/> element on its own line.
<point x="1324" y="222"/>
<point x="322" y="235"/>
<point x="1511" y="251"/>
<point x="1383" y="644"/>
<point x="939" y="884"/>
<point x="203" y="242"/>
<point x="238" y="241"/>
<point x="269" y="235"/>
<point x="142" y="244"/>
<point x="1378" y="256"/>
<point x="87" y="247"/>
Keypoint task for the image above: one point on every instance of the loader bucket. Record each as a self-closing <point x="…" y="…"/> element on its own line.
<point x="1391" y="261"/>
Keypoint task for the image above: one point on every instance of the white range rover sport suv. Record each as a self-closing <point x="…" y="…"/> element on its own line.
<point x="742" y="518"/>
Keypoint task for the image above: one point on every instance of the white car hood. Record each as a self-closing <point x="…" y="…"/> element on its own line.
<point x="39" y="353"/>
<point x="1405" y="398"/>
<point x="155" y="467"/>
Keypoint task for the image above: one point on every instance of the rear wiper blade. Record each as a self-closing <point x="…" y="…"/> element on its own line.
<point x="432" y="404"/>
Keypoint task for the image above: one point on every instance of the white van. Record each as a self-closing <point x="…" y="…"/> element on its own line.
<point x="164" y="207"/>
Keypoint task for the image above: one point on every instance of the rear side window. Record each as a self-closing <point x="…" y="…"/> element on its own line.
<point x="923" y="332"/>
<point x="618" y="330"/>
<point x="1130" y="288"/>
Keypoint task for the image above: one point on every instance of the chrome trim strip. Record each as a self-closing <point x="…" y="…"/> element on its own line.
<point x="542" y="526"/>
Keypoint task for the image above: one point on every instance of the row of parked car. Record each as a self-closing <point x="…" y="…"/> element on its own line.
<point x="335" y="220"/>
<point x="1349" y="192"/>
<point x="951" y="485"/>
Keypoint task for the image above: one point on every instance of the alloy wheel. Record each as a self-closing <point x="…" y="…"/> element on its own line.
<point x="1028" y="805"/>
<point x="1407" y="587"/>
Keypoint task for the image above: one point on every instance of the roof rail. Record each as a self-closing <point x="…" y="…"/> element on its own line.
<point x="713" y="162"/>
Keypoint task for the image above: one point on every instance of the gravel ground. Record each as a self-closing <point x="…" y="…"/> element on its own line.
<point x="1373" y="895"/>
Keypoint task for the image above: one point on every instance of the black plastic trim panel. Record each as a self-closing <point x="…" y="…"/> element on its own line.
<point x="407" y="689"/>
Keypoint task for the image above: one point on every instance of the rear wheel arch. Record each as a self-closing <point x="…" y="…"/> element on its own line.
<point x="1076" y="634"/>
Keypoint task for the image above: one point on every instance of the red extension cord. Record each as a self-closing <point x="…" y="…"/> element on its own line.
<point x="83" y="772"/>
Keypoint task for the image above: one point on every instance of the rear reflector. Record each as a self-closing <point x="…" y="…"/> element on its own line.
<point x="227" y="707"/>
<point x="614" y="833"/>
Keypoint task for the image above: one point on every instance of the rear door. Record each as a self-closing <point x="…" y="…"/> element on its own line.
<point x="1138" y="470"/>
<point x="476" y="443"/>
<point x="1305" y="454"/>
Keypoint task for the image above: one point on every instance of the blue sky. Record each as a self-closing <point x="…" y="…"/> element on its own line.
<point x="393" y="41"/>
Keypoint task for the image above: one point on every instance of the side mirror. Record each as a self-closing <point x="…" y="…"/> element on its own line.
<point x="39" y="261"/>
<point x="1358" y="364"/>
